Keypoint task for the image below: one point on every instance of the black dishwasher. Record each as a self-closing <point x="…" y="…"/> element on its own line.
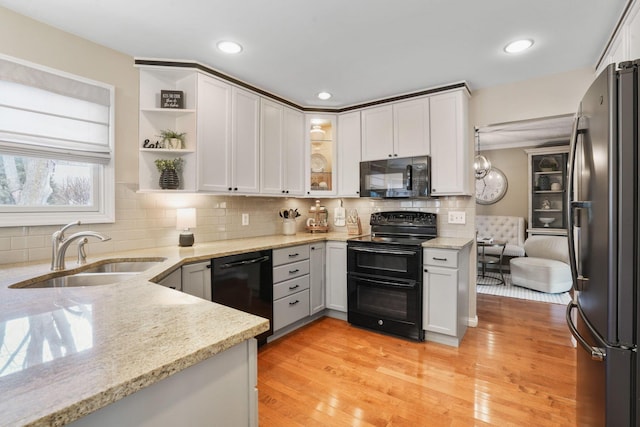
<point x="245" y="282"/>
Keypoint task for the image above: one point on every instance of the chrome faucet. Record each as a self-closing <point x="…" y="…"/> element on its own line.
<point x="59" y="244"/>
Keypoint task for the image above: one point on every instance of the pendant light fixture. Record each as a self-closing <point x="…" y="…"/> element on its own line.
<point x="481" y="165"/>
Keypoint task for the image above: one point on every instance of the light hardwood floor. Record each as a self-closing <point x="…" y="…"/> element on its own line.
<point x="517" y="368"/>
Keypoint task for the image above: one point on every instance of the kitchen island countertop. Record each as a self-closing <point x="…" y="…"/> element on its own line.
<point x="69" y="351"/>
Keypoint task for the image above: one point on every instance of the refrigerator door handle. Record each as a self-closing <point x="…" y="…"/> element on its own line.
<point x="580" y="282"/>
<point x="597" y="353"/>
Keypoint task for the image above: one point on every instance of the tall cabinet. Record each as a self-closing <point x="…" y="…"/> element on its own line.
<point x="547" y="190"/>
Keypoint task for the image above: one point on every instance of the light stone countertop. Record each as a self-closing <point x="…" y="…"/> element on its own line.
<point x="102" y="343"/>
<point x="448" y="242"/>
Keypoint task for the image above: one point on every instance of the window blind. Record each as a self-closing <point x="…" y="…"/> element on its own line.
<point x="46" y="113"/>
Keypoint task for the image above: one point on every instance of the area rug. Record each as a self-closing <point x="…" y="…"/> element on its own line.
<point x="490" y="285"/>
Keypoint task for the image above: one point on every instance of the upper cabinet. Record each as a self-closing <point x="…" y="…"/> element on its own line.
<point x="450" y="158"/>
<point x="228" y="138"/>
<point x="349" y="154"/>
<point x="282" y="145"/>
<point x="396" y="130"/>
<point x="625" y="45"/>
<point x="180" y="86"/>
<point x="321" y="155"/>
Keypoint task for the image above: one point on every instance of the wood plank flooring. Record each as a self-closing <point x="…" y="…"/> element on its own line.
<point x="517" y="368"/>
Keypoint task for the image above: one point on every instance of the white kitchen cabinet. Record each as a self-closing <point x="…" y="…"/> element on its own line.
<point x="321" y="164"/>
<point x="396" y="130"/>
<point x="445" y="309"/>
<point x="221" y="391"/>
<point x="282" y="149"/>
<point x="316" y="277"/>
<point x="450" y="144"/>
<point x="290" y="285"/>
<point x="173" y="280"/>
<point x="349" y="153"/>
<point x="153" y="119"/>
<point x="336" y="276"/>
<point x="228" y="138"/>
<point x="196" y="279"/>
<point x="625" y="44"/>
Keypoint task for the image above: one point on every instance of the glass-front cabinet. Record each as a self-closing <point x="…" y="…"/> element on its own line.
<point x="547" y="190"/>
<point x="321" y="150"/>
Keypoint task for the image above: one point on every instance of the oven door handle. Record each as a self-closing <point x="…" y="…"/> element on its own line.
<point x="408" y="285"/>
<point x="382" y="252"/>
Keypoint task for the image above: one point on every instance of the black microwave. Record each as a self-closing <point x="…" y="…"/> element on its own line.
<point x="406" y="177"/>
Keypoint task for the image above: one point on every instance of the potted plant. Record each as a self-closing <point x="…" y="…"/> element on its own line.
<point x="169" y="172"/>
<point x="172" y="139"/>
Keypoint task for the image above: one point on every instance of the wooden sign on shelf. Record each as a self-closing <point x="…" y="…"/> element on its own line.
<point x="171" y="99"/>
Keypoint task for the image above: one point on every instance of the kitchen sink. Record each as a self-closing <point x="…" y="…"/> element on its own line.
<point x="105" y="273"/>
<point x="80" y="279"/>
<point x="131" y="266"/>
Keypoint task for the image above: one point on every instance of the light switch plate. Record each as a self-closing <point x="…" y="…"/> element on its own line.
<point x="245" y="219"/>
<point x="457" y="217"/>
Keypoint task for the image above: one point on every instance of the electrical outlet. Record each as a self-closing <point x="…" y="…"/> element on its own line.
<point x="245" y="219"/>
<point x="457" y="217"/>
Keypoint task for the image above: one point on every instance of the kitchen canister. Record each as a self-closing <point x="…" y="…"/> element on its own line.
<point x="289" y="226"/>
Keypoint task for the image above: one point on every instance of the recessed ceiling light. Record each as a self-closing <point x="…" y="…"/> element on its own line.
<point x="229" y="47"/>
<point x="324" y="95"/>
<point x="518" y="46"/>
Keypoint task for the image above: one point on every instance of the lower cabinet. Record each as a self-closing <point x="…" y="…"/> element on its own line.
<point x="196" y="279"/>
<point x="337" y="276"/>
<point x="316" y="277"/>
<point x="173" y="280"/>
<point x="445" y="308"/>
<point x="290" y="285"/>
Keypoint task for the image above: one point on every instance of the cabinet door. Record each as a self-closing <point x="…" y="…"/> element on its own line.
<point x="173" y="280"/>
<point x="294" y="152"/>
<point x="450" y="145"/>
<point x="271" y="147"/>
<point x="316" y="273"/>
<point x="336" y="276"/>
<point x="321" y="155"/>
<point x="196" y="279"/>
<point x="214" y="134"/>
<point x="245" y="141"/>
<point x="349" y="152"/>
<point x="440" y="300"/>
<point x="377" y="133"/>
<point x="411" y="128"/>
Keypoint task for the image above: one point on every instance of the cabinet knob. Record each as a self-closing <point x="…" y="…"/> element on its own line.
<point x="390" y="155"/>
<point x="235" y="189"/>
<point x="287" y="191"/>
<point x="395" y="155"/>
<point x="230" y="188"/>
<point x="426" y="271"/>
<point x="283" y="191"/>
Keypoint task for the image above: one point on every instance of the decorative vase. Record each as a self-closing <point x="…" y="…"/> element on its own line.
<point x="169" y="179"/>
<point x="544" y="183"/>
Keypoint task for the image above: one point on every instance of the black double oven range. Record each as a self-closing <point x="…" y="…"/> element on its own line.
<point x="384" y="279"/>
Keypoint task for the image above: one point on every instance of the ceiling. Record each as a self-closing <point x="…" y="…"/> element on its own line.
<point x="358" y="50"/>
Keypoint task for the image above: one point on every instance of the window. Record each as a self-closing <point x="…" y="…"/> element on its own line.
<point x="56" y="146"/>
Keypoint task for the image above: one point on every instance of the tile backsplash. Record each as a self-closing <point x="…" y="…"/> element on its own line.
<point x="146" y="220"/>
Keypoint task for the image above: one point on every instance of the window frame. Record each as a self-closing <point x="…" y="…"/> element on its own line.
<point x="103" y="210"/>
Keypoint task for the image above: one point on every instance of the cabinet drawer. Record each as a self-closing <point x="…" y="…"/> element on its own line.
<point x="290" y="271"/>
<point x="441" y="257"/>
<point x="289" y="287"/>
<point x="290" y="309"/>
<point x="290" y="254"/>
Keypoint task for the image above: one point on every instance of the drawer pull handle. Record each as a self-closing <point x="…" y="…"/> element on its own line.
<point x="293" y="287"/>
<point x="294" y="271"/>
<point x="439" y="259"/>
<point x="294" y="302"/>
<point x="293" y="255"/>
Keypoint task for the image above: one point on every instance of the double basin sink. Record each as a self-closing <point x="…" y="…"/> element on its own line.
<point x="100" y="273"/>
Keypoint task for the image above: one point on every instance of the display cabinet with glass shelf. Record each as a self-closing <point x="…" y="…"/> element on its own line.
<point x="321" y="131"/>
<point x="547" y="190"/>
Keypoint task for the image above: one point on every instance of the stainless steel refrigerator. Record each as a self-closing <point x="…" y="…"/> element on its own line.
<point x="603" y="223"/>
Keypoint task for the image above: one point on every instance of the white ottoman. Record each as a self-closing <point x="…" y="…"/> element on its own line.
<point x="540" y="274"/>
